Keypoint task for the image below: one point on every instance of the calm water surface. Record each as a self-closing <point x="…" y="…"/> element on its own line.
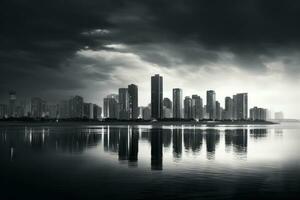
<point x="144" y="162"/>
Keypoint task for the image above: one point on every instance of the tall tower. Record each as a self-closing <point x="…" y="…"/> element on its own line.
<point x="187" y="107"/>
<point x="197" y="107"/>
<point x="156" y="96"/>
<point x="123" y="103"/>
<point x="177" y="103"/>
<point x="133" y="101"/>
<point x="241" y="104"/>
<point x="211" y="104"/>
<point x="228" y="108"/>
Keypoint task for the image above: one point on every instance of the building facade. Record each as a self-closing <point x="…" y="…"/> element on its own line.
<point x="187" y="107"/>
<point x="133" y="101"/>
<point x="197" y="107"/>
<point x="177" y="103"/>
<point x="240" y="102"/>
<point x="211" y="104"/>
<point x="156" y="96"/>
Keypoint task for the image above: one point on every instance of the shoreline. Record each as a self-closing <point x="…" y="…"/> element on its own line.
<point x="133" y="123"/>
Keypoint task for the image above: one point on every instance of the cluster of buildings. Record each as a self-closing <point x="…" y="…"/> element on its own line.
<point x="124" y="106"/>
<point x="36" y="107"/>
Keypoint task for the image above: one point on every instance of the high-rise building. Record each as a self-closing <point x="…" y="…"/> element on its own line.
<point x="76" y="107"/>
<point x="240" y="103"/>
<point x="211" y="104"/>
<point x="97" y="112"/>
<point x="177" y="103"/>
<point x="218" y="111"/>
<point x="111" y="106"/>
<point x="157" y="96"/>
<point x="187" y="107"/>
<point x="197" y="107"/>
<point x="133" y="101"/>
<point x="228" y="108"/>
<point x="12" y="104"/>
<point x="88" y="110"/>
<point x="38" y="107"/>
<point x="123" y="103"/>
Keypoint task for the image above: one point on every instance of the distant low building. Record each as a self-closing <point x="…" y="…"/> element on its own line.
<point x="278" y="115"/>
<point x="146" y="113"/>
<point x="167" y="112"/>
<point x="3" y="111"/>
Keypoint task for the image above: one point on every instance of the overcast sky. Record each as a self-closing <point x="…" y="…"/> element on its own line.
<point x="58" y="48"/>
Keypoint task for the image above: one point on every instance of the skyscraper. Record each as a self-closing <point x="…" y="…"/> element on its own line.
<point x="12" y="104"/>
<point x="228" y="108"/>
<point x="156" y="97"/>
<point x="133" y="101"/>
<point x="177" y="103"/>
<point x="187" y="107"/>
<point x="111" y="106"/>
<point x="123" y="103"/>
<point x="211" y="104"/>
<point x="197" y="107"/>
<point x="76" y="107"/>
<point x="88" y="110"/>
<point x="97" y="111"/>
<point x="218" y="111"/>
<point x="241" y="106"/>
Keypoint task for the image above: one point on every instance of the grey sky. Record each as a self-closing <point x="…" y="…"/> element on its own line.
<point x="59" y="48"/>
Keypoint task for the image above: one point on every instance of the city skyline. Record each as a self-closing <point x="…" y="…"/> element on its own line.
<point x="124" y="106"/>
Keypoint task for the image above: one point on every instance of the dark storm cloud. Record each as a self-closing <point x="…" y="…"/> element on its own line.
<point x="38" y="37"/>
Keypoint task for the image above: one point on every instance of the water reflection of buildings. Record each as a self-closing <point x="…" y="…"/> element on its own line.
<point x="156" y="149"/>
<point x="177" y="142"/>
<point x="278" y="132"/>
<point x="193" y="139"/>
<point x="258" y="133"/>
<point x="212" y="138"/>
<point x="123" y="142"/>
<point x="19" y="141"/>
<point x="133" y="147"/>
<point x="238" y="139"/>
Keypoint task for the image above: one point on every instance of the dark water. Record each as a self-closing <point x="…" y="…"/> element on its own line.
<point x="237" y="162"/>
